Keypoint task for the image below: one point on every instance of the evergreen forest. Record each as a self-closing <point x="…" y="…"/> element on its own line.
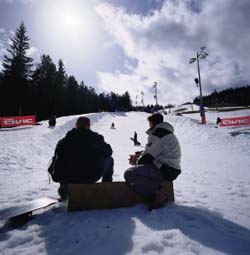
<point x="45" y="89"/>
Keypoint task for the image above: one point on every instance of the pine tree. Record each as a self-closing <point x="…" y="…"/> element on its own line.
<point x="71" y="95"/>
<point x="18" y="64"/>
<point x="44" y="87"/>
<point x="61" y="74"/>
<point x="61" y="81"/>
<point x="126" y="101"/>
<point x="17" y="70"/>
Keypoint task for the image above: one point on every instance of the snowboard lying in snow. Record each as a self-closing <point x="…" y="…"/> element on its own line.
<point x="24" y="212"/>
<point x="94" y="196"/>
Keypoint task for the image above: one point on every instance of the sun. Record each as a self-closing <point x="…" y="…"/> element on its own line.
<point x="69" y="27"/>
<point x="69" y="21"/>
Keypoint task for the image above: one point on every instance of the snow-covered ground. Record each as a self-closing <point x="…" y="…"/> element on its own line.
<point x="211" y="214"/>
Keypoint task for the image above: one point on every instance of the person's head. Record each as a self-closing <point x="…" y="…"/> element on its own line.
<point x="83" y="122"/>
<point x="155" y="119"/>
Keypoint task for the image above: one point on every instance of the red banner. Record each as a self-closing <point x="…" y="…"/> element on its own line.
<point x="238" y="121"/>
<point x="17" y="121"/>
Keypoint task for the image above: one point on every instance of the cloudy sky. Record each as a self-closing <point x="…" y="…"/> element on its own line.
<point x="127" y="45"/>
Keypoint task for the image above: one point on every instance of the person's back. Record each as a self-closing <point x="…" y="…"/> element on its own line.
<point x="163" y="150"/>
<point x="82" y="151"/>
<point x="157" y="165"/>
<point x="82" y="156"/>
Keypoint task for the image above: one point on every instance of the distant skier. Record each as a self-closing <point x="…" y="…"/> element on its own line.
<point x="112" y="125"/>
<point x="157" y="165"/>
<point x="218" y="121"/>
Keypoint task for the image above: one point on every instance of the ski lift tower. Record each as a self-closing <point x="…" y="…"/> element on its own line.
<point x="202" y="54"/>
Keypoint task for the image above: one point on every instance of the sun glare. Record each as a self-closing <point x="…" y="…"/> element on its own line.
<point x="69" y="23"/>
<point x="70" y="20"/>
<point x="70" y="28"/>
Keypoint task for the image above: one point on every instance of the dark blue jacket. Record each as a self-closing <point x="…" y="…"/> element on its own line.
<point x="79" y="156"/>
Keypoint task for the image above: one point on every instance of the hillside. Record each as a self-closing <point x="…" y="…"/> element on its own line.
<point x="210" y="215"/>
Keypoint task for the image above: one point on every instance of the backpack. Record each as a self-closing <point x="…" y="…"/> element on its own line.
<point x="52" y="168"/>
<point x="54" y="164"/>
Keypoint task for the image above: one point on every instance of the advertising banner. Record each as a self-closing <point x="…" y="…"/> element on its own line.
<point x="238" y="121"/>
<point x="17" y="121"/>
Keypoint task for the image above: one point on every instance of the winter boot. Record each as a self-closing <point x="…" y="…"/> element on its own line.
<point x="63" y="191"/>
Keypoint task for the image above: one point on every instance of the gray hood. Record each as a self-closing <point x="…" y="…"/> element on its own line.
<point x="163" y="125"/>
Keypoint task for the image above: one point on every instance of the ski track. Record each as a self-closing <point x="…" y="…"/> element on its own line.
<point x="210" y="215"/>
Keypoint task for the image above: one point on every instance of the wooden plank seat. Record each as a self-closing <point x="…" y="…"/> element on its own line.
<point x="110" y="195"/>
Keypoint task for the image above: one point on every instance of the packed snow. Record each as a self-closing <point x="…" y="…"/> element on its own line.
<point x="211" y="213"/>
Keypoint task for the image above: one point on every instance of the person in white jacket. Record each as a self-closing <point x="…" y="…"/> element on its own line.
<point x="158" y="163"/>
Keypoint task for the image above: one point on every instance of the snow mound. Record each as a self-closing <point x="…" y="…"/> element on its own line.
<point x="210" y="214"/>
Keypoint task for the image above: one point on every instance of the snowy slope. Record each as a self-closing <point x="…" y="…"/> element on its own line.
<point x="212" y="210"/>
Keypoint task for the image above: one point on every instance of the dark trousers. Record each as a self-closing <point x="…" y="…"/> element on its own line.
<point x="107" y="171"/>
<point x="144" y="179"/>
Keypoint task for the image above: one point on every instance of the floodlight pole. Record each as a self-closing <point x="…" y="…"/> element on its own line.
<point x="136" y="101"/>
<point x="156" y="98"/>
<point x="142" y="98"/>
<point x="202" y="110"/>
<point x="202" y="54"/>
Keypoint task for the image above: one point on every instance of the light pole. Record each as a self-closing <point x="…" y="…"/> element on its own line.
<point x="200" y="55"/>
<point x="142" y="98"/>
<point x="136" y="102"/>
<point x="155" y="96"/>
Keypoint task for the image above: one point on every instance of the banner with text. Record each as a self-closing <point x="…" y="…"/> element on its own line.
<point x="237" y="121"/>
<point x="17" y="121"/>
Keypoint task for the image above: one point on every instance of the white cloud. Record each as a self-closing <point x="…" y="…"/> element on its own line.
<point x="3" y="51"/>
<point x="109" y="44"/>
<point x="164" y="41"/>
<point x="9" y="42"/>
<point x="32" y="51"/>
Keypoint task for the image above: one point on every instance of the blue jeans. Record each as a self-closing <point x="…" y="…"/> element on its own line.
<point x="106" y="175"/>
<point x="107" y="169"/>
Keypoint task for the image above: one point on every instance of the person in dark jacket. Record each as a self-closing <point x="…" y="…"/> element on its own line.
<point x="82" y="156"/>
<point x="52" y="121"/>
<point x="158" y="163"/>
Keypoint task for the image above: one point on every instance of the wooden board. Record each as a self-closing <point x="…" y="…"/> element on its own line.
<point x="25" y="211"/>
<point x="163" y="196"/>
<point x="112" y="195"/>
<point x="101" y="196"/>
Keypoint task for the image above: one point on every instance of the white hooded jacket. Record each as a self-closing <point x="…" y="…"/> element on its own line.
<point x="162" y="149"/>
